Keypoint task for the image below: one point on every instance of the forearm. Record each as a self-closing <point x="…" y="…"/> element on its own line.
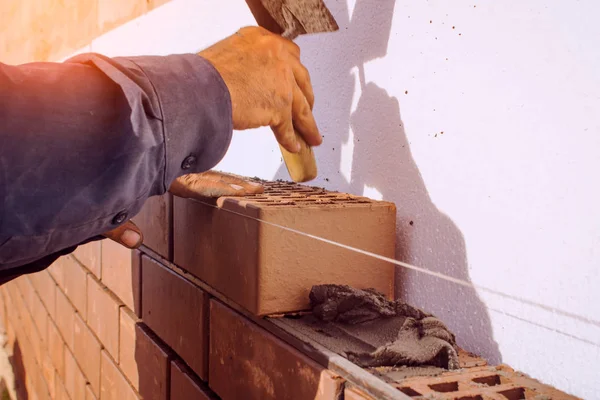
<point x="83" y="144"/>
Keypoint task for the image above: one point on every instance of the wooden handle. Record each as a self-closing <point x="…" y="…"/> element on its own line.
<point x="301" y="166"/>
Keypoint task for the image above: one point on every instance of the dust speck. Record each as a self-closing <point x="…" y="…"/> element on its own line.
<point x="411" y="223"/>
<point x="406" y="92"/>
<point x="453" y="27"/>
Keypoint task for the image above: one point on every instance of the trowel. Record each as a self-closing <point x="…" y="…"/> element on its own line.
<point x="291" y="18"/>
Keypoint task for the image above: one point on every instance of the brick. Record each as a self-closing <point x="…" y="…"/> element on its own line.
<point x="74" y="378"/>
<point x="90" y="255"/>
<point x="87" y="352"/>
<point x="184" y="385"/>
<point x="113" y="385"/>
<point x="152" y="4"/>
<point x="57" y="271"/>
<point x="112" y="13"/>
<point x="75" y="285"/>
<point x="154" y="220"/>
<point x="176" y="311"/>
<point x="267" y="269"/>
<point x="89" y="393"/>
<point x="65" y="317"/>
<point x="248" y="362"/>
<point x="356" y="394"/>
<point x="48" y="373"/>
<point x="56" y="348"/>
<point x="103" y="316"/>
<point x="60" y="392"/>
<point x="45" y="287"/>
<point x="153" y="363"/>
<point x="40" y="317"/>
<point x="127" y="340"/>
<point x="121" y="273"/>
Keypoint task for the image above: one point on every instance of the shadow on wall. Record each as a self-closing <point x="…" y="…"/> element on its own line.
<point x="382" y="160"/>
<point x="16" y="361"/>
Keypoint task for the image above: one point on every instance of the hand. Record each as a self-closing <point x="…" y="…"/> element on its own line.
<point x="268" y="85"/>
<point x="195" y="186"/>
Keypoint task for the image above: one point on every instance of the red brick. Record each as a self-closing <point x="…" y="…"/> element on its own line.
<point x="90" y="255"/>
<point x="155" y="222"/>
<point x="113" y="385"/>
<point x="267" y="269"/>
<point x="184" y="385"/>
<point x="75" y="284"/>
<point x="74" y="379"/>
<point x="45" y="287"/>
<point x="176" y="311"/>
<point x="121" y="273"/>
<point x="56" y="348"/>
<point x="103" y="316"/>
<point x="27" y="291"/>
<point x="87" y="352"/>
<point x="65" y="316"/>
<point x="248" y="362"/>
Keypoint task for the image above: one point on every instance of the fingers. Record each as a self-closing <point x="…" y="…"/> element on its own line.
<point x="303" y="81"/>
<point x="304" y="120"/>
<point x="212" y="184"/>
<point x="128" y="234"/>
<point x="249" y="187"/>
<point x="284" y="132"/>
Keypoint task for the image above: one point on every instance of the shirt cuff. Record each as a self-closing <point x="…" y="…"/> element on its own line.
<point x="196" y="112"/>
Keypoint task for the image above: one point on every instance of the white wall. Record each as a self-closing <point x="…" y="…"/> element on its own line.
<point x="507" y="197"/>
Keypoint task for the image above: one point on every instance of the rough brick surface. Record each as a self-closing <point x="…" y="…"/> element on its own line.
<point x="75" y="285"/>
<point x="248" y="362"/>
<point x="74" y="379"/>
<point x="103" y="316"/>
<point x="45" y="287"/>
<point x="176" y="311"/>
<point x="56" y="348"/>
<point x="87" y="352"/>
<point x="153" y="365"/>
<point x="185" y="386"/>
<point x="127" y="338"/>
<point x="65" y="317"/>
<point x="155" y="222"/>
<point x="90" y="255"/>
<point x="121" y="273"/>
<point x="267" y="269"/>
<point x="113" y="385"/>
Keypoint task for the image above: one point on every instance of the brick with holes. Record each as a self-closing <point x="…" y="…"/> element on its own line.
<point x="267" y="269"/>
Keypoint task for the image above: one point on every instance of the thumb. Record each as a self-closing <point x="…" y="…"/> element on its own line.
<point x="128" y="235"/>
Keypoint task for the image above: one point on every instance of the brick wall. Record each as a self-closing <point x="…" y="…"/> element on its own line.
<point x="110" y="323"/>
<point x="47" y="30"/>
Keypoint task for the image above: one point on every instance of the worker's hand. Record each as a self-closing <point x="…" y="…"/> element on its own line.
<point x="128" y="234"/>
<point x="268" y="85"/>
<point x="213" y="184"/>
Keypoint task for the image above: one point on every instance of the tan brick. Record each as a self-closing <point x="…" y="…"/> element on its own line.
<point x="90" y="255"/>
<point x="103" y="316"/>
<point x="154" y="220"/>
<point x="48" y="373"/>
<point x="57" y="271"/>
<point x="176" y="310"/>
<point x="87" y="352"/>
<point x="60" y="392"/>
<point x="40" y="317"/>
<point x="65" y="315"/>
<point x="267" y="269"/>
<point x="112" y="13"/>
<point x="121" y="273"/>
<point x="113" y="385"/>
<point x="127" y="341"/>
<point x="45" y="287"/>
<point x="74" y="378"/>
<point x="185" y="385"/>
<point x="89" y="393"/>
<point x="356" y="394"/>
<point x="248" y="362"/>
<point x="75" y="285"/>
<point x="56" y="348"/>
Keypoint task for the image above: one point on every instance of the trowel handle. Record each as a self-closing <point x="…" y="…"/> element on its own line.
<point x="301" y="166"/>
